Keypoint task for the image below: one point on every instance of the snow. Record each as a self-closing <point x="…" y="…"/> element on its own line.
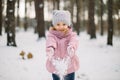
<point x="41" y="5"/>
<point x="6" y="19"/>
<point x="97" y="60"/>
<point x="11" y="10"/>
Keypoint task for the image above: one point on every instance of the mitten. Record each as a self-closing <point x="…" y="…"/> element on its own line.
<point x="70" y="51"/>
<point x="50" y="53"/>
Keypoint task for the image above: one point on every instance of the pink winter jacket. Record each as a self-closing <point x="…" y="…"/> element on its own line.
<point x="60" y="41"/>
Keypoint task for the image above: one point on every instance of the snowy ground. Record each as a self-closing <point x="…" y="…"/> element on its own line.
<point x="97" y="60"/>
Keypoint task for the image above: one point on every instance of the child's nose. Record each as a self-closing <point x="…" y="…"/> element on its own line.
<point x="60" y="26"/>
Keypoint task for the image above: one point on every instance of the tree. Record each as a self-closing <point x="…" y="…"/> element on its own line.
<point x="110" y="23"/>
<point x="18" y="18"/>
<point x="78" y="4"/>
<point x="84" y="8"/>
<point x="25" y="19"/>
<point x="39" y="9"/>
<point x="101" y="17"/>
<point x="10" y="23"/>
<point x="56" y="4"/>
<point x="116" y="8"/>
<point x="0" y="17"/>
<point x="91" y="23"/>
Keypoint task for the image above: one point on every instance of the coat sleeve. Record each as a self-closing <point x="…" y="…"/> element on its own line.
<point x="50" y="43"/>
<point x="74" y="41"/>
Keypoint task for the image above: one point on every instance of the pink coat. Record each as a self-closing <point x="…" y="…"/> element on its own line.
<point x="60" y="41"/>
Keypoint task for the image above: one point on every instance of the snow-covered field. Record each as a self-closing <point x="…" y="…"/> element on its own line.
<point x="97" y="60"/>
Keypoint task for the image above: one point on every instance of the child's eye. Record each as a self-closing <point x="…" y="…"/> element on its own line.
<point x="64" y="24"/>
<point x="58" y="24"/>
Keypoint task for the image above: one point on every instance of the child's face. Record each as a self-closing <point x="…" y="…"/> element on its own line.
<point x="60" y="26"/>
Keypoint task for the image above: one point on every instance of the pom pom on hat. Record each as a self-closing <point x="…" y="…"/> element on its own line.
<point x="61" y="16"/>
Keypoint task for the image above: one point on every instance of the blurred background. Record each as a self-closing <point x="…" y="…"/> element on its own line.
<point x="25" y="23"/>
<point x="101" y="16"/>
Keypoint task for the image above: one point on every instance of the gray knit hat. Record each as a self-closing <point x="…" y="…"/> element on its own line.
<point x="61" y="16"/>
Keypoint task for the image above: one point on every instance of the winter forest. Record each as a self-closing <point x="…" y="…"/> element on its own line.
<point x="25" y="23"/>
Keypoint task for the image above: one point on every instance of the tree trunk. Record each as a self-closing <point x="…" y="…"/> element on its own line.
<point x="83" y="13"/>
<point x="1" y="17"/>
<point x="18" y="18"/>
<point x="92" y="29"/>
<point x="78" y="4"/>
<point x="10" y="23"/>
<point x="25" y="19"/>
<point x="110" y="22"/>
<point x="101" y="17"/>
<point x="71" y="8"/>
<point x="56" y="4"/>
<point x="39" y="8"/>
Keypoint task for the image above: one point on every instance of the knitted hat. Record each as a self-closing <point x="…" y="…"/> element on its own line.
<point x="61" y="16"/>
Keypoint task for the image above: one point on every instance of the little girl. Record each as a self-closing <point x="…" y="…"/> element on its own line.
<point x="61" y="46"/>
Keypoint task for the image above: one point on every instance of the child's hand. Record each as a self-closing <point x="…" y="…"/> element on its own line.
<point x="50" y="53"/>
<point x="70" y="51"/>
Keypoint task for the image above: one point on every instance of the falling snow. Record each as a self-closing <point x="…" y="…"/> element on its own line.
<point x="41" y="5"/>
<point x="11" y="10"/>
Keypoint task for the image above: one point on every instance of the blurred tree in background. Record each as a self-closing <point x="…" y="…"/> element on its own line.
<point x="1" y="17"/>
<point x="18" y="14"/>
<point x="92" y="16"/>
<point x="39" y="9"/>
<point x="110" y="22"/>
<point x="25" y="18"/>
<point x="101" y="17"/>
<point x="78" y="5"/>
<point x="91" y="23"/>
<point x="10" y="22"/>
<point x="56" y="4"/>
